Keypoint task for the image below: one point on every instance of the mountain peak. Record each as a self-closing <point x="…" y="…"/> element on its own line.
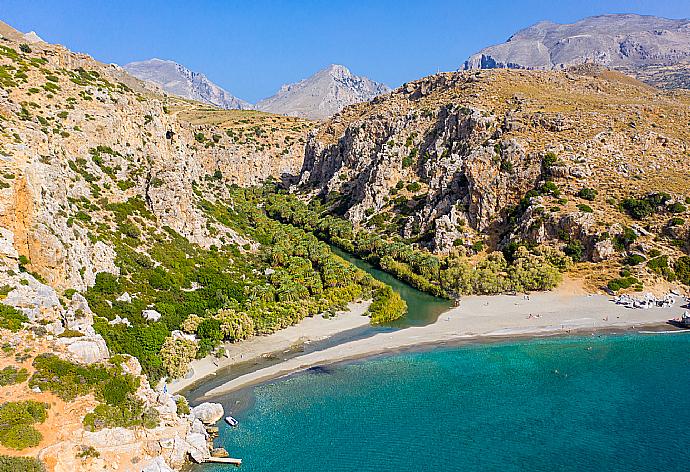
<point x="178" y="80"/>
<point x="322" y="94"/>
<point x="629" y="42"/>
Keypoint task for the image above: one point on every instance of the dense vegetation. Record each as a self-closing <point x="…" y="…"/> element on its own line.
<point x="224" y="293"/>
<point x="108" y="383"/>
<point x="536" y="268"/>
<point x="10" y="375"/>
<point x="20" y="464"/>
<point x="11" y="318"/>
<point x="16" y="423"/>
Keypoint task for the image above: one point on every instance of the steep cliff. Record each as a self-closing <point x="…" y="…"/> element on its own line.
<point x="78" y="135"/>
<point x="482" y="158"/>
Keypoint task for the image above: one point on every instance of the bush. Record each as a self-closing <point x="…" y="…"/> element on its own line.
<point x="575" y="250"/>
<point x="414" y="187"/>
<point x="387" y="305"/>
<point x="584" y="208"/>
<point x="677" y="207"/>
<point x="182" y="405"/>
<point x="25" y="48"/>
<point x="634" y="259"/>
<point x="130" y="413"/>
<point x="176" y="354"/>
<point x="623" y="283"/>
<point x="676" y="221"/>
<point x="16" y="423"/>
<point x="682" y="269"/>
<point x="10" y="375"/>
<point x="659" y="265"/>
<point x="641" y="208"/>
<point x="20" y="464"/>
<point x="587" y="194"/>
<point x="11" y="318"/>
<point x="625" y="239"/>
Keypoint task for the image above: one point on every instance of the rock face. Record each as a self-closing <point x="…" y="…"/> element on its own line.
<point x="94" y="138"/>
<point x="323" y="94"/>
<point x="449" y="159"/>
<point x="208" y="413"/>
<point x="631" y="43"/>
<point x="178" y="80"/>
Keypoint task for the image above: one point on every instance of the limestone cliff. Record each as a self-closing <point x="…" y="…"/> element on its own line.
<point x="448" y="160"/>
<point x="77" y="135"/>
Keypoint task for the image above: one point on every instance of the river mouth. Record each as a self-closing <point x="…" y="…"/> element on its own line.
<point x="422" y="308"/>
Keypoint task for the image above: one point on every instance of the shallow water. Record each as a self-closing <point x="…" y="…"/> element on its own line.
<point x="613" y="403"/>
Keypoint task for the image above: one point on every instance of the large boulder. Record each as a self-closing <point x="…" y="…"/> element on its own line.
<point x="86" y="349"/>
<point x="198" y="447"/>
<point x="208" y="413"/>
<point x="151" y="315"/>
<point x="157" y="465"/>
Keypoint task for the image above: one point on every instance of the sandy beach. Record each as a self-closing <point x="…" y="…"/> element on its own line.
<point x="478" y="317"/>
<point x="309" y="330"/>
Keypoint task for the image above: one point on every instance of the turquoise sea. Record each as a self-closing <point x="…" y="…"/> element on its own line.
<point x="592" y="403"/>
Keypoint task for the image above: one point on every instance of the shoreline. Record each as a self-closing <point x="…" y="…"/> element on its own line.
<point x="290" y="339"/>
<point x="480" y="319"/>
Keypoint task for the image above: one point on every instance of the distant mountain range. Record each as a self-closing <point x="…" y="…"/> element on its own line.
<point x="318" y="97"/>
<point x="636" y="44"/>
<point x="178" y="80"/>
<point x="323" y="94"/>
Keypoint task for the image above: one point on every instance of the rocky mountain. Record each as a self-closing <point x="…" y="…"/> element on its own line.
<point x="323" y="94"/>
<point x="178" y="80"/>
<point x="480" y="159"/>
<point x="86" y="152"/>
<point x="639" y="45"/>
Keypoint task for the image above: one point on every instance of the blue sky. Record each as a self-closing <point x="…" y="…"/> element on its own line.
<point x="252" y="47"/>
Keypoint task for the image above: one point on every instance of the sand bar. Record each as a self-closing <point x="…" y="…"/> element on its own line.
<point x="308" y="330"/>
<point x="479" y="317"/>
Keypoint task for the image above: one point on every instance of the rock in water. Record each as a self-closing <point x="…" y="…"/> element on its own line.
<point x="208" y="413"/>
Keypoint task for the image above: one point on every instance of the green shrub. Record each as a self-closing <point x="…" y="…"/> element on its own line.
<point x="414" y="187"/>
<point x="676" y="221"/>
<point x="584" y="208"/>
<point x="677" y="207"/>
<point x="10" y="375"/>
<point x="634" y="259"/>
<point x="25" y="48"/>
<point x="659" y="265"/>
<point x="625" y="239"/>
<point x="682" y="269"/>
<point x="387" y="305"/>
<point x="70" y="333"/>
<point x="16" y="423"/>
<point x="623" y="283"/>
<point x="182" y="405"/>
<point x="641" y="208"/>
<point x="575" y="250"/>
<point x="550" y="188"/>
<point x="20" y="464"/>
<point x="587" y="194"/>
<point x="11" y="318"/>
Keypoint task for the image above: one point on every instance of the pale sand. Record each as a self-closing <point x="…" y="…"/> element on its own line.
<point x="308" y="330"/>
<point x="479" y="317"/>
